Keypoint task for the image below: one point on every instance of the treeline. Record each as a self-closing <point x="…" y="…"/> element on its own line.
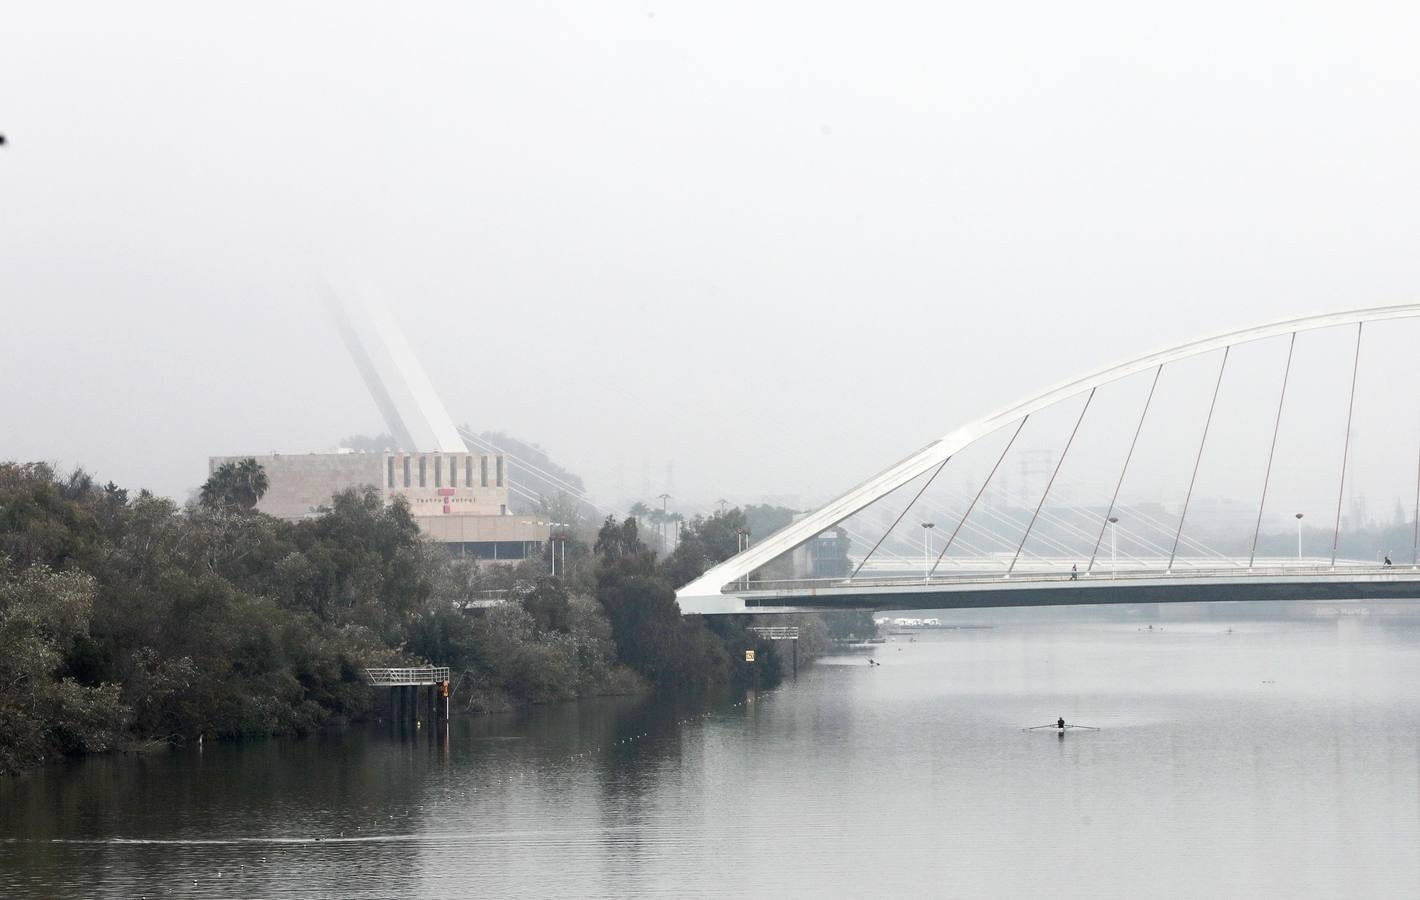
<point x="131" y="619"/>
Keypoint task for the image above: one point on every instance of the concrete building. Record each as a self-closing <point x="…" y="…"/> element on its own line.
<point x="458" y="498"/>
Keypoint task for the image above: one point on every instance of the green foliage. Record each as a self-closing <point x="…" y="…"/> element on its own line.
<point x="651" y="635"/>
<point x="43" y="612"/>
<point x="764" y="520"/>
<point x="703" y="543"/>
<point x="39" y="524"/>
<point x="128" y="618"/>
<point x="136" y="619"/>
<point x="235" y="485"/>
<point x="548" y="604"/>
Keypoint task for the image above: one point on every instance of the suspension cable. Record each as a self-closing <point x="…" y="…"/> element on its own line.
<point x="979" y="492"/>
<point x="1276" y="425"/>
<point x="1060" y="462"/>
<point x="1415" y="542"/>
<point x="904" y="512"/>
<point x="1207" y="423"/>
<point x="1346" y="447"/>
<point x="1127" y="457"/>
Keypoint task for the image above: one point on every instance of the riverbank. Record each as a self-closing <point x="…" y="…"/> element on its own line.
<point x="129" y="619"/>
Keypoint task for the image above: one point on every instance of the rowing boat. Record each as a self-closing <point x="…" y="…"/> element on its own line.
<point x="1058" y="730"/>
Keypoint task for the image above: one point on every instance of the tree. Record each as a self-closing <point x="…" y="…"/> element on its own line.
<point x="547" y="604"/>
<point x="617" y="541"/>
<point x="42" y="613"/>
<point x="42" y="520"/>
<point x="703" y="543"/>
<point x="235" y="485"/>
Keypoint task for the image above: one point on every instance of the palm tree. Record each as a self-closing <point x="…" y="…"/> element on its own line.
<point x="253" y="482"/>
<point x="237" y="485"/>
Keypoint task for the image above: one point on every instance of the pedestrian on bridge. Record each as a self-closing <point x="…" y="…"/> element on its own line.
<point x="1074" y="572"/>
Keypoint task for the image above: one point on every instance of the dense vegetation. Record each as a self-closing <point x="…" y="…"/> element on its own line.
<point x="130" y="619"/>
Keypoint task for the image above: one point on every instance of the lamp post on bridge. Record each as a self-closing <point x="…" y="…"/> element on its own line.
<point x="741" y="545"/>
<point x="1299" y="538"/>
<point x="927" y="550"/>
<point x="1113" y="563"/>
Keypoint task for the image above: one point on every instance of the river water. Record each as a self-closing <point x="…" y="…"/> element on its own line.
<point x="1281" y="758"/>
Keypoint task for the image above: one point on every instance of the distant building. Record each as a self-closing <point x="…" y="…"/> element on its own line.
<point x="458" y="499"/>
<point x="825" y="556"/>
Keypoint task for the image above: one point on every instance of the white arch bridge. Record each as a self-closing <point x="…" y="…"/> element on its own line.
<point x="1177" y="476"/>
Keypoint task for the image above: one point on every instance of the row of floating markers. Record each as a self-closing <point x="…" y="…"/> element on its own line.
<point x="700" y="717"/>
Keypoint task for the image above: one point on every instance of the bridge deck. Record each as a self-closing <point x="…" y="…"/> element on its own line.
<point x="984" y="591"/>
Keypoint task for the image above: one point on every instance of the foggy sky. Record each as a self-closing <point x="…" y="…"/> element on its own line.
<point x="781" y="245"/>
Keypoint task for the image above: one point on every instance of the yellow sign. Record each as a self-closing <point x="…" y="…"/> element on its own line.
<point x="749" y="656"/>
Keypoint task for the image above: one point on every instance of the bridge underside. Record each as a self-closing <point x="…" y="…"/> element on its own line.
<point x="1389" y="586"/>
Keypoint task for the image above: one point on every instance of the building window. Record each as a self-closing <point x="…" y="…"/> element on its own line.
<point x="468" y="471"/>
<point x="483" y="466"/>
<point x="438" y="471"/>
<point x="389" y="474"/>
<point x="502" y="509"/>
<point x="453" y="471"/>
<point x="406" y="471"/>
<point x="423" y="471"/>
<point x="500" y="471"/>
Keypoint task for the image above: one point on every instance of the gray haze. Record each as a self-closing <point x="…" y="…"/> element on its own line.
<point x="779" y="244"/>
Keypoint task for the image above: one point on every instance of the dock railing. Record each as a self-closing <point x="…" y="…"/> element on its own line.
<point x="425" y="675"/>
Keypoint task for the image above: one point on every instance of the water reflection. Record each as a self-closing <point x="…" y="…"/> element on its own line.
<point x="1282" y="757"/>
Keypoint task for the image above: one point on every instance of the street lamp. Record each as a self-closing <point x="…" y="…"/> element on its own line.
<point x="553" y="538"/>
<point x="927" y="549"/>
<point x="665" y="541"/>
<point x="741" y="545"/>
<point x="1299" y="538"/>
<point x="1113" y="521"/>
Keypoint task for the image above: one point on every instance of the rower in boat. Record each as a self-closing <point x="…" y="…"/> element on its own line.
<point x="1059" y="727"/>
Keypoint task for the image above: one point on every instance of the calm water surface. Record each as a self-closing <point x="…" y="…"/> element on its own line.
<point x="1282" y="759"/>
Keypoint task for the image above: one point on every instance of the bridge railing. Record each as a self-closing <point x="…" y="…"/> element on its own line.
<point x="997" y="579"/>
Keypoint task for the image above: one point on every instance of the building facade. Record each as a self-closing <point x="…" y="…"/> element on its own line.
<point x="458" y="499"/>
